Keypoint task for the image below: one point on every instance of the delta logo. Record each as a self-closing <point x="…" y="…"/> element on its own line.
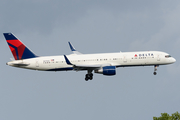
<point x="144" y="55"/>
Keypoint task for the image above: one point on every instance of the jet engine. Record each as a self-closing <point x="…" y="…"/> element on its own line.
<point x="107" y="70"/>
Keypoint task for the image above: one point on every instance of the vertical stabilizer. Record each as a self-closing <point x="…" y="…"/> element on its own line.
<point x="18" y="49"/>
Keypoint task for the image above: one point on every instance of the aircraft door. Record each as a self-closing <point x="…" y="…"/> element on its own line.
<point x="124" y="59"/>
<point x="158" y="58"/>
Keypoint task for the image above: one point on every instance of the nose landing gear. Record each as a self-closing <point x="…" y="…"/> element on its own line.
<point x="155" y="69"/>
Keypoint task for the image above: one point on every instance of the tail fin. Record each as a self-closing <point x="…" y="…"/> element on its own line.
<point x="18" y="49"/>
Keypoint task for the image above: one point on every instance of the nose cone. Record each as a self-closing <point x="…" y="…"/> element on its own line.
<point x="7" y="63"/>
<point x="173" y="60"/>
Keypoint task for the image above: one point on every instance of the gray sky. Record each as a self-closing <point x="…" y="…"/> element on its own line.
<point x="46" y="26"/>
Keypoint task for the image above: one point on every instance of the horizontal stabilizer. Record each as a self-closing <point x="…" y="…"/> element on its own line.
<point x="17" y="64"/>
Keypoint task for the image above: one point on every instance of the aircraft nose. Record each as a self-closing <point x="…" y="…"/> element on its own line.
<point x="173" y="60"/>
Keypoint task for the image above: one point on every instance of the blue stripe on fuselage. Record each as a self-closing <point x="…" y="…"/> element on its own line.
<point x="61" y="69"/>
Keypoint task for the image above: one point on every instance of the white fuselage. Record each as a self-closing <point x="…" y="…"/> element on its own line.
<point x="122" y="59"/>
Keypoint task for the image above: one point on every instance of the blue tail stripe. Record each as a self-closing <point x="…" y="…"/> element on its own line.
<point x="9" y="36"/>
<point x="28" y="54"/>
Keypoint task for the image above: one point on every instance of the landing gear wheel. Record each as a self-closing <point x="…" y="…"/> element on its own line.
<point x="86" y="79"/>
<point x="155" y="73"/>
<point x="89" y="77"/>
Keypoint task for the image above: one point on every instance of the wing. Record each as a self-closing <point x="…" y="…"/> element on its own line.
<point x="85" y="67"/>
<point x="73" y="49"/>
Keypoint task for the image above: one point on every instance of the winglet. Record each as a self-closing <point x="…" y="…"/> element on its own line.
<point x="73" y="49"/>
<point x="67" y="60"/>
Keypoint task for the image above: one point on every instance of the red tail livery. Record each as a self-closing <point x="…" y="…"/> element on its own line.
<point x="18" y="49"/>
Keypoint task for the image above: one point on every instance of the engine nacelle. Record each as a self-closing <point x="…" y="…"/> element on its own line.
<point x="107" y="70"/>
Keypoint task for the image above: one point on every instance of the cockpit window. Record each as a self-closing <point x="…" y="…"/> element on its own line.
<point x="167" y="56"/>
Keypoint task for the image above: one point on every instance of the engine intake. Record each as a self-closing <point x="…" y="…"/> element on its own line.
<point x="107" y="70"/>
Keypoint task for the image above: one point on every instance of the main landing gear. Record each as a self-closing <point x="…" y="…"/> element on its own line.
<point x="89" y="76"/>
<point x="155" y="69"/>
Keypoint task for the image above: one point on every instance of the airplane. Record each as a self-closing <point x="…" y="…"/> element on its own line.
<point x="102" y="63"/>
